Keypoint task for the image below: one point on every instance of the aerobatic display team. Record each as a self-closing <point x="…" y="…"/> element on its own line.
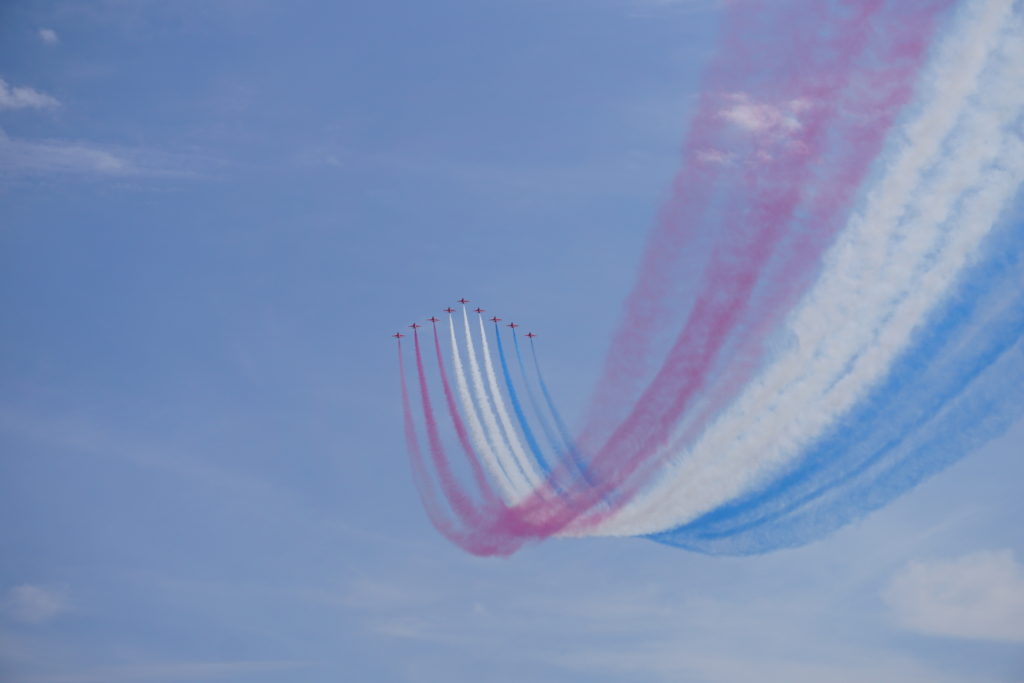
<point x="829" y="309"/>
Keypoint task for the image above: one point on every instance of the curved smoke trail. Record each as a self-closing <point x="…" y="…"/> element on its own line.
<point x="509" y="465"/>
<point x="517" y="408"/>
<point x="509" y="433"/>
<point x="476" y="430"/>
<point x="557" y="446"/>
<point x="848" y="290"/>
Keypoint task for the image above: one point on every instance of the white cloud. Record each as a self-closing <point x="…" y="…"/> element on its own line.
<point x="677" y="661"/>
<point x="757" y="117"/>
<point x="48" y="36"/>
<point x="50" y="156"/>
<point x="20" y="157"/>
<point x="979" y="596"/>
<point x="686" y="5"/>
<point x="168" y="671"/>
<point x="35" y="604"/>
<point x="713" y="156"/>
<point x="650" y="632"/>
<point x="24" y="98"/>
<point x="29" y="158"/>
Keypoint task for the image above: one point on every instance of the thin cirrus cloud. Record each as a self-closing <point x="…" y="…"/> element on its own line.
<point x="27" y="157"/>
<point x="749" y="114"/>
<point x="48" y="36"/>
<point x="34" y="604"/>
<point x="174" y="670"/>
<point x="23" y="97"/>
<point x="978" y="596"/>
<point x="20" y="157"/>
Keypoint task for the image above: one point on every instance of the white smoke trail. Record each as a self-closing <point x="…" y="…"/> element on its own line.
<point x="476" y="431"/>
<point x="524" y="462"/>
<point x="956" y="167"/>
<point x="516" y="477"/>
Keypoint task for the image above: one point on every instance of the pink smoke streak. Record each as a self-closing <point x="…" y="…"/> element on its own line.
<point x="477" y="540"/>
<point x="774" y="182"/>
<point x="723" y="304"/>
<point x="795" y="266"/>
<point x="749" y="282"/>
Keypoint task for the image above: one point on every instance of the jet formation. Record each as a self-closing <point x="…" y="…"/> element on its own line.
<point x="433" y="320"/>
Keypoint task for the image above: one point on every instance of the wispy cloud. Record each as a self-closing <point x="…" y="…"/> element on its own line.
<point x="654" y="633"/>
<point x="51" y="156"/>
<point x="35" y="604"/>
<point x="168" y="671"/>
<point x="48" y="36"/>
<point x="760" y="116"/>
<point x="82" y="434"/>
<point x="23" y="97"/>
<point x="978" y="596"/>
<point x="677" y="660"/>
<point x="647" y="6"/>
<point x="20" y="157"/>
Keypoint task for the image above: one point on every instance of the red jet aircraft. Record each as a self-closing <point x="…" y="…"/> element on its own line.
<point x="449" y="310"/>
<point x="463" y="301"/>
<point x="398" y="335"/>
<point x="479" y="310"/>
<point x="432" y="319"/>
<point x="414" y="326"/>
<point x="512" y="325"/>
<point x="531" y="335"/>
<point x="495" y="319"/>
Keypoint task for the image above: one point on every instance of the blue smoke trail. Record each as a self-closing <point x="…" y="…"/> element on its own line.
<point x="960" y="384"/>
<point x="527" y="432"/>
<point x="549" y="433"/>
<point x="570" y="443"/>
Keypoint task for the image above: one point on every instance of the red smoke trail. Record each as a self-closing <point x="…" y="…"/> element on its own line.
<point x="869" y="113"/>
<point x="676" y="250"/>
<point x="543" y="516"/>
<point x="749" y="60"/>
<point x="774" y="180"/>
<point x="419" y="470"/>
<point x="460" y="502"/>
<point x="476" y="540"/>
<point x="493" y="530"/>
<point x="735" y="293"/>
<point x="736" y="267"/>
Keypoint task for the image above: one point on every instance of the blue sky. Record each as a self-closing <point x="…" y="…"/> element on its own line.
<point x="213" y="214"/>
